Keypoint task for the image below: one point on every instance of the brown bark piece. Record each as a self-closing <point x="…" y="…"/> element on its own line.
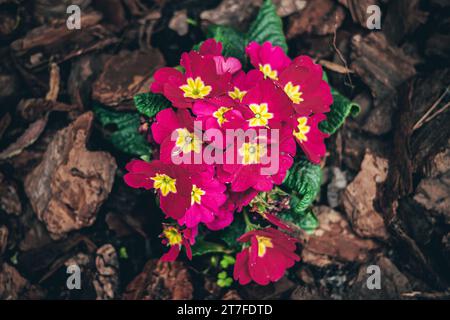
<point x="3" y="239"/>
<point x="433" y="192"/>
<point x="358" y="9"/>
<point x="58" y="43"/>
<point x="231" y="295"/>
<point x="124" y="75"/>
<point x="334" y="242"/>
<point x="31" y="134"/>
<point x="381" y="66"/>
<point x="319" y="17"/>
<point x="359" y="196"/>
<point x="68" y="187"/>
<point x="238" y="13"/>
<point x="5" y="121"/>
<point x="161" y="281"/>
<point x="106" y="282"/>
<point x="393" y="283"/>
<point x="12" y="284"/>
<point x="9" y="197"/>
<point x="403" y="17"/>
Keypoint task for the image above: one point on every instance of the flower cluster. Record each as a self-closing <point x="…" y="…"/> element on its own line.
<point x="281" y="100"/>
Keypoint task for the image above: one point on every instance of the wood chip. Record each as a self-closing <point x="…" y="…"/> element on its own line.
<point x="360" y="195"/>
<point x="334" y="242"/>
<point x="68" y="187"/>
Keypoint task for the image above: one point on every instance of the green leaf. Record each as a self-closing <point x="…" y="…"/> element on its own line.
<point x="123" y="254"/>
<point x="126" y="136"/>
<point x="309" y="222"/>
<point x="149" y="104"/>
<point x="305" y="220"/>
<point x="233" y="42"/>
<point x="223" y="280"/>
<point x="203" y="247"/>
<point x="303" y="180"/>
<point x="231" y="233"/>
<point x="227" y="261"/>
<point x="341" y="108"/>
<point x="268" y="27"/>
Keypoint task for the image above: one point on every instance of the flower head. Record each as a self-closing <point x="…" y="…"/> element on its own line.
<point x="202" y="79"/>
<point x="270" y="253"/>
<point x="260" y="162"/>
<point x="302" y="82"/>
<point x="223" y="217"/>
<point x="242" y="82"/>
<point x="268" y="59"/>
<point x="175" y="239"/>
<point x="179" y="125"/>
<point x="266" y="105"/>
<point x="206" y="197"/>
<point x="212" y="48"/>
<point x="218" y="113"/>
<point x="171" y="182"/>
<point x="309" y="137"/>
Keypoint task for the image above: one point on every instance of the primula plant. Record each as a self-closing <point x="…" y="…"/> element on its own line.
<point x="236" y="136"/>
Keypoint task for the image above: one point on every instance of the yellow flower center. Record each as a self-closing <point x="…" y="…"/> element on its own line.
<point x="293" y="92"/>
<point x="220" y="115"/>
<point x="268" y="72"/>
<point x="251" y="153"/>
<point x="165" y="183"/>
<point x="261" y="115"/>
<point x="188" y="141"/>
<point x="195" y="89"/>
<point x="303" y="129"/>
<point x="196" y="195"/>
<point x="173" y="236"/>
<point x="263" y="244"/>
<point x="237" y="94"/>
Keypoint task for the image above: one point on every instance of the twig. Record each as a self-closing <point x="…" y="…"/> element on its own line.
<point x="424" y="119"/>
<point x="335" y="67"/>
<point x="427" y="295"/>
<point x="340" y="55"/>
<point x="54" y="81"/>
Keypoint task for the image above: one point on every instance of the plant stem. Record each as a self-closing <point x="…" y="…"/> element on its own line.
<point x="249" y="225"/>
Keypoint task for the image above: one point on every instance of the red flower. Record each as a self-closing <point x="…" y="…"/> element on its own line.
<point x="181" y="124"/>
<point x="218" y="113"/>
<point x="255" y="162"/>
<point x="309" y="137"/>
<point x="206" y="197"/>
<point x="200" y="80"/>
<point x="213" y="49"/>
<point x="210" y="47"/>
<point x="302" y="82"/>
<point x="175" y="239"/>
<point x="242" y="82"/>
<point x="266" y="105"/>
<point x="270" y="253"/>
<point x="242" y="199"/>
<point x="223" y="217"/>
<point x="270" y="60"/>
<point x="172" y="183"/>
